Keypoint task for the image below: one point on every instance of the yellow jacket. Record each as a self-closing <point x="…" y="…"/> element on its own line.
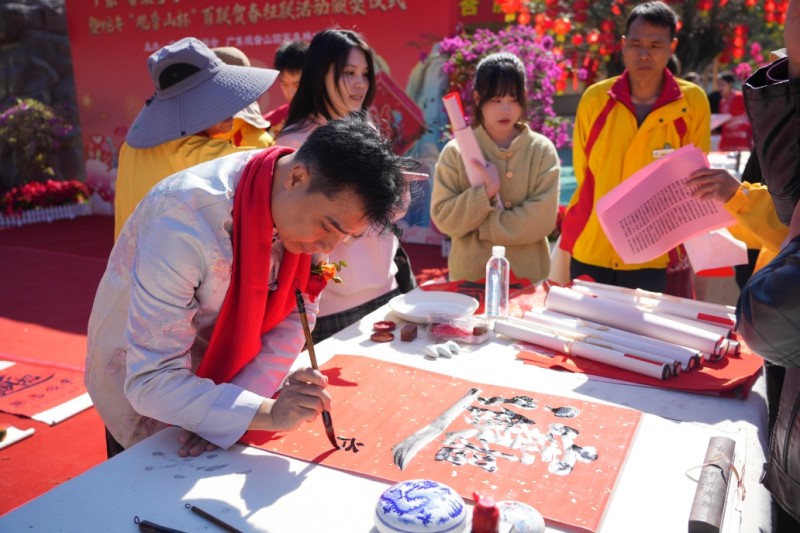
<point x="141" y="168"/>
<point x="757" y="224"/>
<point x="245" y="134"/>
<point x="619" y="148"/>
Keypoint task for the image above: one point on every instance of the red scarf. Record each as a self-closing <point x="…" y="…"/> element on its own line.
<point x="249" y="308"/>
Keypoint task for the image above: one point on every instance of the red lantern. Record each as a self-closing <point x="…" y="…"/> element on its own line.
<point x="543" y="23"/>
<point x="593" y="37"/>
<point x="738" y="53"/>
<point x="577" y="39"/>
<point x="607" y="26"/>
<point x="510" y="7"/>
<point x="608" y="39"/>
<point x="561" y="27"/>
<point x="579" y="10"/>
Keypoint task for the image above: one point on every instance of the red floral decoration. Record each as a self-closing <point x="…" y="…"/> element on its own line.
<point x="321" y="274"/>
<point x="587" y="33"/>
<point x="38" y="194"/>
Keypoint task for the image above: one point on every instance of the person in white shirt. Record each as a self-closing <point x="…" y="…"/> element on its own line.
<point x="339" y="79"/>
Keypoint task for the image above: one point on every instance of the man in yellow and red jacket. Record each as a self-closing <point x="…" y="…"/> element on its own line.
<point x="623" y="124"/>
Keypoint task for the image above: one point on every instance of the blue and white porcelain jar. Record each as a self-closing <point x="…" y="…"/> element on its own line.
<point x="420" y="506"/>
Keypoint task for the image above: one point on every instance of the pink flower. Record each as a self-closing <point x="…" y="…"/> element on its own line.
<point x="743" y="71"/>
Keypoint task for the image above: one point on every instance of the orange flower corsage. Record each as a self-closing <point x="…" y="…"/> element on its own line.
<point x="321" y="274"/>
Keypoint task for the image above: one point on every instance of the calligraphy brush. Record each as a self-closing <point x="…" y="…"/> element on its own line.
<point x="326" y="416"/>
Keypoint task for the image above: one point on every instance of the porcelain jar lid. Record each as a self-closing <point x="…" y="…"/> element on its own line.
<point x="420" y="506"/>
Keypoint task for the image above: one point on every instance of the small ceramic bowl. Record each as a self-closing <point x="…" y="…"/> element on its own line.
<point x="420" y="506"/>
<point x="523" y="517"/>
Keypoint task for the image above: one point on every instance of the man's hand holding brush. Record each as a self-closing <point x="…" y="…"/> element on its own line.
<point x="302" y="399"/>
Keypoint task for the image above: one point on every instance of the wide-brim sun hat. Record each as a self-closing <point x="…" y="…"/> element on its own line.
<point x="207" y="92"/>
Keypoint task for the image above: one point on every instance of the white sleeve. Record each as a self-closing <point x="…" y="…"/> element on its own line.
<point x="171" y="260"/>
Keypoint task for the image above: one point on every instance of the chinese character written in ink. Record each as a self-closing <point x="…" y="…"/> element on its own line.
<point x="12" y="384"/>
<point x="349" y="444"/>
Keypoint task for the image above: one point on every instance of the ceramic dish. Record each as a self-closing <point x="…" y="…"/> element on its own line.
<point x="415" y="306"/>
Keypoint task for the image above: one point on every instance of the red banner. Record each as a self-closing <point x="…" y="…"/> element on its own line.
<point x="112" y="39"/>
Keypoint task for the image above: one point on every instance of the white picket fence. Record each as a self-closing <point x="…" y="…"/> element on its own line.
<point x="46" y="214"/>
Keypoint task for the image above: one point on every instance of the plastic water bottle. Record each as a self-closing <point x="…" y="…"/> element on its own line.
<point x="497" y="277"/>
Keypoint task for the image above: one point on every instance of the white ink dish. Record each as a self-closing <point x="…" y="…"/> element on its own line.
<point x="415" y="306"/>
<point x="520" y="517"/>
<point x="420" y="506"/>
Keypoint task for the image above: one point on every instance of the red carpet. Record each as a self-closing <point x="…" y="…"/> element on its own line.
<point x="50" y="272"/>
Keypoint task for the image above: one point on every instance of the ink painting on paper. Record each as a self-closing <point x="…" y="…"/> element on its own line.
<point x="560" y="455"/>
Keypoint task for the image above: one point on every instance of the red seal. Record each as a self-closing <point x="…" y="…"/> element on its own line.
<point x="384" y="325"/>
<point x="382" y="336"/>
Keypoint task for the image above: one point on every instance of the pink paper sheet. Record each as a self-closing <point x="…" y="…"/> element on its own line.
<point x="653" y="211"/>
<point x="715" y="249"/>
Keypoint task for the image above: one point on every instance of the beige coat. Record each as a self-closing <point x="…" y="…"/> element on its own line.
<point x="529" y="179"/>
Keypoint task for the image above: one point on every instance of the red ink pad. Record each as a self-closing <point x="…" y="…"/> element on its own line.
<point x="382" y="336"/>
<point x="384" y="325"/>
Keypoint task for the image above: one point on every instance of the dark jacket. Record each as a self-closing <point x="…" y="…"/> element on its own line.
<point x="774" y="110"/>
<point x="768" y="313"/>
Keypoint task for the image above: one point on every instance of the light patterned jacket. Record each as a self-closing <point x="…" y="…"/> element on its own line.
<point x="156" y="308"/>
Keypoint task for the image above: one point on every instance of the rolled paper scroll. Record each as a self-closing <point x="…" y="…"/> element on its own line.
<point x="654" y="306"/>
<point x="467" y="143"/>
<point x="686" y="357"/>
<point x="626" y="317"/>
<point x="637" y="364"/>
<point x="464" y="137"/>
<point x="595" y="339"/>
<point x="712" y="487"/>
<point x="724" y="315"/>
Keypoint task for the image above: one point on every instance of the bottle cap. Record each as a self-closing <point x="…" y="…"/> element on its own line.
<point x="499" y="251"/>
<point x="485" y="514"/>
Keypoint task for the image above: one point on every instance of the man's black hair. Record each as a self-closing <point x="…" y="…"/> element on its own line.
<point x="290" y="56"/>
<point x="655" y="13"/>
<point x="351" y="154"/>
<point x="728" y="76"/>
